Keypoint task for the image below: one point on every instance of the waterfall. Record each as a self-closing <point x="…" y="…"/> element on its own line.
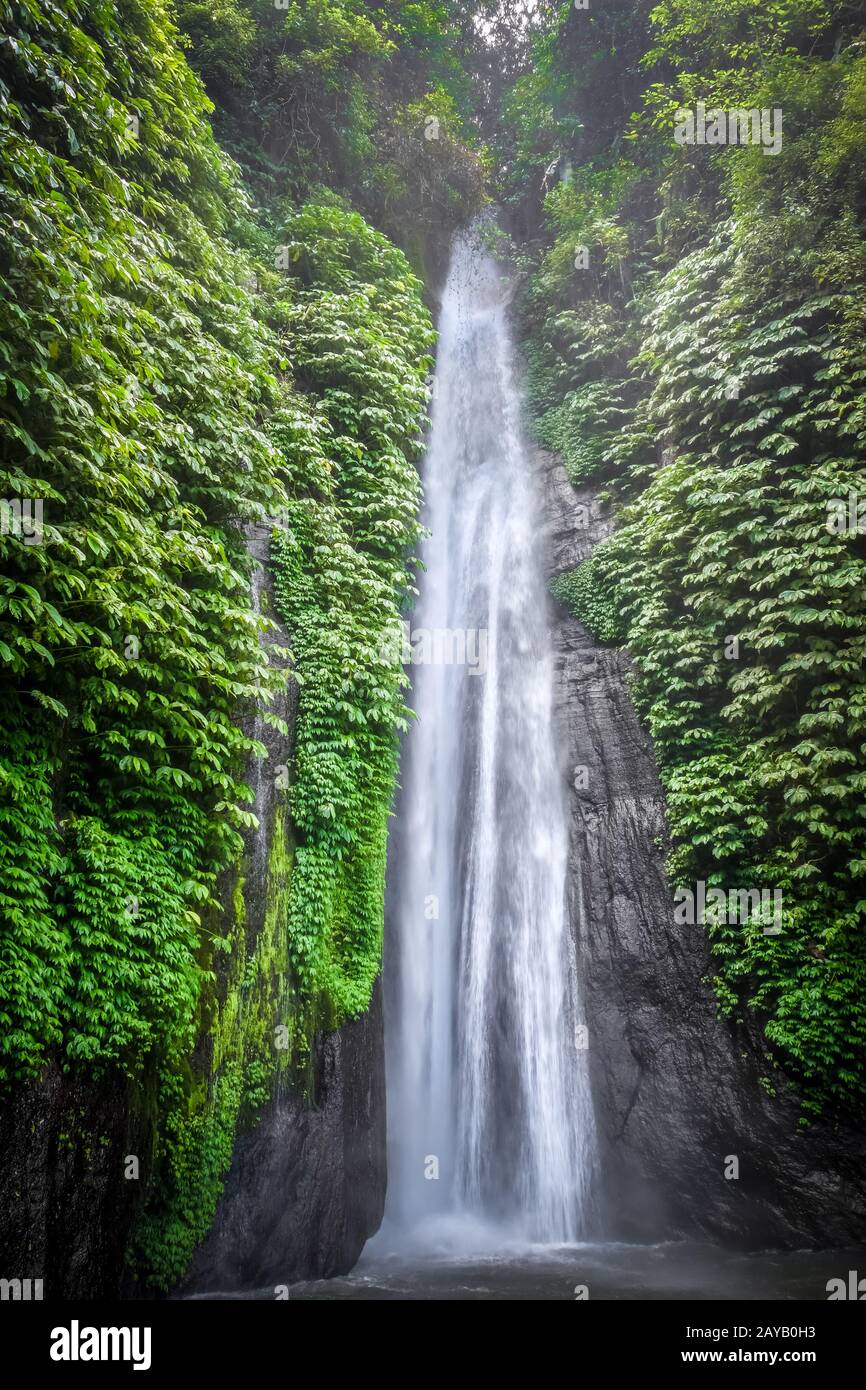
<point x="489" y="1108"/>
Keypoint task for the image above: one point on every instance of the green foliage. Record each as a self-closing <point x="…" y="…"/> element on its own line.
<point x="588" y="595"/>
<point x="761" y="755"/>
<point x="582" y="389"/>
<point x="360" y="340"/>
<point x="339" y="94"/>
<point x="132" y="368"/>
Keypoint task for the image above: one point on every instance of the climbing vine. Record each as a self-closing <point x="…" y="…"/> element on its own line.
<point x="587" y="593"/>
<point x="132" y="367"/>
<point x="360" y="340"/>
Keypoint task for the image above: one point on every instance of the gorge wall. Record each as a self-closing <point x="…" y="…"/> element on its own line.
<point x="307" y="1184"/>
<point x="676" y="1088"/>
<point x="307" y="1179"/>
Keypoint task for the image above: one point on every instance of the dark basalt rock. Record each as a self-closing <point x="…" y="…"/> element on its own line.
<point x="65" y="1203"/>
<point x="677" y="1089"/>
<point x="307" y="1184"/>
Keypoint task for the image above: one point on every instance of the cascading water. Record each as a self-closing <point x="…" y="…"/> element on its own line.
<point x="488" y="1097"/>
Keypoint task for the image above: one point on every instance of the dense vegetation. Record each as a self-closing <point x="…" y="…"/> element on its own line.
<point x="133" y="367"/>
<point x="366" y="98"/>
<point x="359" y="339"/>
<point x="695" y="326"/>
<point x="177" y="363"/>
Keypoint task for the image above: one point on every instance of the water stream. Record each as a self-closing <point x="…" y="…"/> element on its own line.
<point x="490" y="1118"/>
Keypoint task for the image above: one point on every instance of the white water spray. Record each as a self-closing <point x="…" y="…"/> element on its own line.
<point x="489" y="1111"/>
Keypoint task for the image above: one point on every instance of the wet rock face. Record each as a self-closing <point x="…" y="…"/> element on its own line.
<point x="307" y="1184"/>
<point x="65" y="1202"/>
<point x="677" y="1089"/>
<point x="305" y="1191"/>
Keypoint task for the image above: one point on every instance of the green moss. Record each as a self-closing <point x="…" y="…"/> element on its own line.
<point x="202" y="1102"/>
